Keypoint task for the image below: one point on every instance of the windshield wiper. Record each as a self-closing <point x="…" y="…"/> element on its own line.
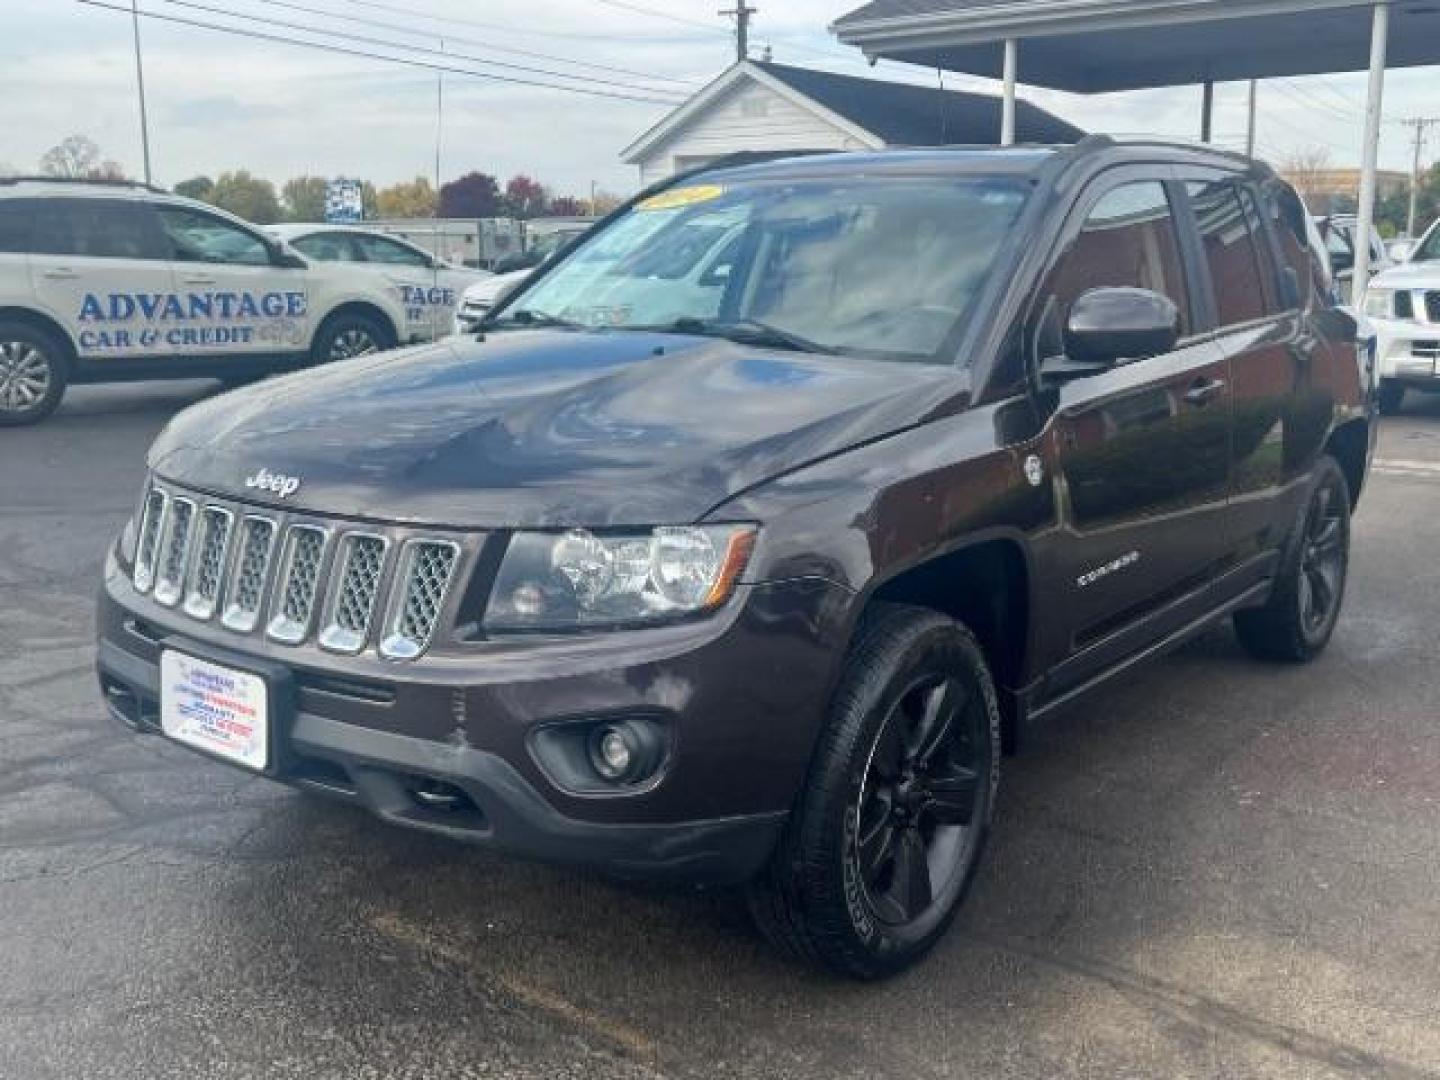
<point x="528" y="319"/>
<point x="749" y="332"/>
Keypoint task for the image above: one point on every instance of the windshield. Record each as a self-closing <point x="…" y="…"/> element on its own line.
<point x="883" y="267"/>
<point x="1429" y="249"/>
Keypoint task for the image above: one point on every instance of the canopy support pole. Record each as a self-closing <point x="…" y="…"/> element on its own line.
<point x="1379" y="39"/>
<point x="1007" y="107"/>
<point x="1207" y="110"/>
<point x="1250" y="124"/>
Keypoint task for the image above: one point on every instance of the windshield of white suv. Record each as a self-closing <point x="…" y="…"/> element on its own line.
<point x="878" y="266"/>
<point x="1429" y="249"/>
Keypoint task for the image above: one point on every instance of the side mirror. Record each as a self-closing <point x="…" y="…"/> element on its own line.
<point x="1113" y="324"/>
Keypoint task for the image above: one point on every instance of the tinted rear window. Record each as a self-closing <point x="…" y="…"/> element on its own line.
<point x="15" y="218"/>
<point x="1230" y="252"/>
<point x="96" y="228"/>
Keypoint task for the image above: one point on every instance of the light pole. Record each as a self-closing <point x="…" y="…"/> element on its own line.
<point x="140" y="85"/>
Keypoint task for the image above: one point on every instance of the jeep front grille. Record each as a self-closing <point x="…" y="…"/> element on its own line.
<point x="174" y="552"/>
<point x="358" y="566"/>
<point x="298" y="583"/>
<point x="207" y="568"/>
<point x="425" y="571"/>
<point x="246" y="590"/>
<point x="148" y="543"/>
<point x="291" y="576"/>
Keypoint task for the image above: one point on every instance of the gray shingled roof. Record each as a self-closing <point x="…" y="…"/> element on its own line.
<point x="907" y="115"/>
<point x="892" y="9"/>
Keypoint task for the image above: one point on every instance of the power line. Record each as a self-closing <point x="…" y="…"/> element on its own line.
<point x="366" y="40"/>
<point x="397" y="28"/>
<point x="346" y="51"/>
<point x="657" y="14"/>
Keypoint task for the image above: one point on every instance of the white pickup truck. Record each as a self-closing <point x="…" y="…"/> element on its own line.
<point x="1403" y="305"/>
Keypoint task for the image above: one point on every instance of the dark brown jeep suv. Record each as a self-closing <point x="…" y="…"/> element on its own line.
<point x="743" y="539"/>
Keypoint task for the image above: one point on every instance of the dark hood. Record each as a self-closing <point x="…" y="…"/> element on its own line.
<point x="535" y="428"/>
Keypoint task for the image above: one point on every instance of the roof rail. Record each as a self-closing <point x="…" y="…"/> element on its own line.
<point x="96" y="182"/>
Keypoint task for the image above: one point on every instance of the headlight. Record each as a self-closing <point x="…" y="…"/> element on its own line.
<point x="579" y="578"/>
<point x="1380" y="303"/>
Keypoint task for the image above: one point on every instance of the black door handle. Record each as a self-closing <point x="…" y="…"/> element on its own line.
<point x="1204" y="391"/>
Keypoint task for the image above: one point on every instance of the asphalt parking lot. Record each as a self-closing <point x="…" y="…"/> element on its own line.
<point x="1214" y="869"/>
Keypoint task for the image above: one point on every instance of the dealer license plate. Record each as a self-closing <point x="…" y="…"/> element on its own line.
<point x="215" y="708"/>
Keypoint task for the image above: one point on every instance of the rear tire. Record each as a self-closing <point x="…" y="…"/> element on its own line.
<point x="1296" y="623"/>
<point x="887" y="834"/>
<point x="34" y="372"/>
<point x="1392" y="396"/>
<point x="350" y="334"/>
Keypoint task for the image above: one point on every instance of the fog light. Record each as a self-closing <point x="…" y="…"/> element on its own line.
<point x="626" y="751"/>
<point x="612" y="751"/>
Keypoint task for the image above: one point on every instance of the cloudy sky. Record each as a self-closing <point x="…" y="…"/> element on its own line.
<point x="220" y="101"/>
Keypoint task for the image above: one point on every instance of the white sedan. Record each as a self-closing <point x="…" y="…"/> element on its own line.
<point x="429" y="288"/>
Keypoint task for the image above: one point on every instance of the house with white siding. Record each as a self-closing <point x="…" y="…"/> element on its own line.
<point x="761" y="106"/>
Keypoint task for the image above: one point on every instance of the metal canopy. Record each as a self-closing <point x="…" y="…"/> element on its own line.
<point x="1092" y="46"/>
<point x="1179" y="53"/>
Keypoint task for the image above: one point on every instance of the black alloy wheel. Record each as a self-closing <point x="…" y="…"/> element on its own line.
<point x="1298" y="619"/>
<point x="921" y="792"/>
<point x="887" y="833"/>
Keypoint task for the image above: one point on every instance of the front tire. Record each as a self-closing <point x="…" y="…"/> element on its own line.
<point x="350" y="334"/>
<point x="887" y="834"/>
<point x="34" y="372"/>
<point x="1297" y="622"/>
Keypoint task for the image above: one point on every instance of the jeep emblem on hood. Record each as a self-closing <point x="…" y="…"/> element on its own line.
<point x="276" y="484"/>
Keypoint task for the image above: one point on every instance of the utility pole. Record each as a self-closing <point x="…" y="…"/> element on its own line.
<point x="439" y="118"/>
<point x="140" y="84"/>
<point x="1419" y="123"/>
<point x="742" y="13"/>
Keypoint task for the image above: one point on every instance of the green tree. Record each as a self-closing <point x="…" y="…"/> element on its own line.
<point x="197" y="187"/>
<point x="416" y="199"/>
<point x="304" y="198"/>
<point x="248" y="196"/>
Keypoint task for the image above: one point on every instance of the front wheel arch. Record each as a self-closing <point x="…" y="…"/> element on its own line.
<point x="368" y="311"/>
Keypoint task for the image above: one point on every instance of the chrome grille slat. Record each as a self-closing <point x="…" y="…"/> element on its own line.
<point x="245" y="591"/>
<point x="175" y="551"/>
<point x="298" y="583"/>
<point x="147" y="544"/>
<point x="207" y="568"/>
<point x="359" y="563"/>
<point x="421" y="586"/>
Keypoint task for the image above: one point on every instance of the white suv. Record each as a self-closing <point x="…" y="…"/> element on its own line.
<point x="1403" y="305"/>
<point x="102" y="282"/>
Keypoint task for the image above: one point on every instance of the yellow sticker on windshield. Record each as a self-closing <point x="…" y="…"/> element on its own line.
<point x="678" y="197"/>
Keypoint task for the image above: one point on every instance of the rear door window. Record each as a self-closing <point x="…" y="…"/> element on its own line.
<point x="1231" y="254"/>
<point x="376" y="249"/>
<point x="96" y="228"/>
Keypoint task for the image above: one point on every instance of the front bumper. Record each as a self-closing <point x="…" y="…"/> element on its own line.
<point x="446" y="747"/>
<point x="1408" y="352"/>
